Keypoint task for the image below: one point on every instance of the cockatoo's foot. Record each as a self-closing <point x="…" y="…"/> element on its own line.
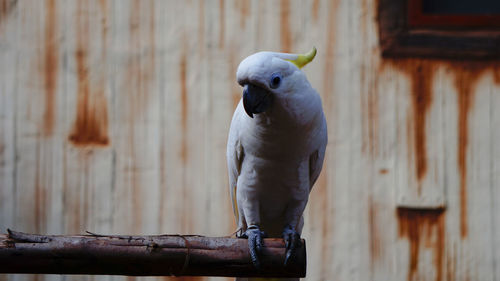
<point x="292" y="242"/>
<point x="254" y="236"/>
<point x="239" y="233"/>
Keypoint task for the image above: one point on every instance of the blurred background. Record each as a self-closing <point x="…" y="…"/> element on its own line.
<point x="114" y="117"/>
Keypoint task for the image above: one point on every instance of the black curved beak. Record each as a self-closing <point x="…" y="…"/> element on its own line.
<point x="256" y="99"/>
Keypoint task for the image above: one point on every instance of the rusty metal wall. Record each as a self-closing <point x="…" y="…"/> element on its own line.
<point x="114" y="117"/>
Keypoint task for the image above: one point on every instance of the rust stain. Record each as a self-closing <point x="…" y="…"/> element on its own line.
<point x="141" y="64"/>
<point x="369" y="88"/>
<point x="222" y="23"/>
<point x="104" y="25"/>
<point x="244" y="11"/>
<point x="370" y="111"/>
<point x="496" y="74"/>
<point x="285" y="32"/>
<point x="40" y="204"/>
<point x="6" y="7"/>
<point x="163" y="178"/>
<point x="328" y="71"/>
<point x="328" y="95"/>
<point x="375" y="244"/>
<point x="136" y="99"/>
<point x="373" y="115"/>
<point x="466" y="77"/>
<point x="186" y="222"/>
<point x="315" y="10"/>
<point x="423" y="228"/>
<point x="40" y="207"/>
<point x="91" y="124"/>
<point x="104" y="6"/>
<point x="51" y="65"/>
<point x="139" y="77"/>
<point x="364" y="20"/>
<point x="451" y="266"/>
<point x="201" y="28"/>
<point x="184" y="108"/>
<point x="152" y="38"/>
<point x="421" y="74"/>
<point x="235" y="89"/>
<point x="383" y="171"/>
<point x="327" y="216"/>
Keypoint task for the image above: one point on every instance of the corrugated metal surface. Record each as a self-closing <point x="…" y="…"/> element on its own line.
<point x="114" y="117"/>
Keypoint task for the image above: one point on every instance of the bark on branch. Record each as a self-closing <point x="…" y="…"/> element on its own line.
<point x="178" y="255"/>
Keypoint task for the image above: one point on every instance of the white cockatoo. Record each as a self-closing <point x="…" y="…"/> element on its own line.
<point x="275" y="149"/>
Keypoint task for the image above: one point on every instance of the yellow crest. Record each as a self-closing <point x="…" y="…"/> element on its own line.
<point x="304" y="59"/>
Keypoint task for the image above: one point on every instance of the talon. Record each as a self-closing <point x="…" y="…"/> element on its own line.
<point x="287" y="257"/>
<point x="254" y="236"/>
<point x="292" y="242"/>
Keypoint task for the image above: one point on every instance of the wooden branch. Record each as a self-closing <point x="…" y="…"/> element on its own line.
<point x="178" y="255"/>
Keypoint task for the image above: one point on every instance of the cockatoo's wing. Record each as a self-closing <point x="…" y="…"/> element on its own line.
<point x="316" y="158"/>
<point x="235" y="156"/>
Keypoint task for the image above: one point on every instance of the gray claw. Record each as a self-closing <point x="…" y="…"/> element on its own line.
<point x="292" y="242"/>
<point x="254" y="236"/>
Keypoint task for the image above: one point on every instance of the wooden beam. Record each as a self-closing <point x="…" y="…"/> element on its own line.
<point x="156" y="255"/>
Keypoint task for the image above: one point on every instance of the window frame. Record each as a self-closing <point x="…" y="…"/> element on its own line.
<point x="416" y="18"/>
<point x="406" y="32"/>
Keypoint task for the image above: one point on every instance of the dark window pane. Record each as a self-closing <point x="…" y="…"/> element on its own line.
<point x="475" y="7"/>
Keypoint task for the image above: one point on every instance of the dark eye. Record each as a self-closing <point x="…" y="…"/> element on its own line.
<point x="275" y="80"/>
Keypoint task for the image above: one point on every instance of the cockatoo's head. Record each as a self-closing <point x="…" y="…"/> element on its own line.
<point x="268" y="76"/>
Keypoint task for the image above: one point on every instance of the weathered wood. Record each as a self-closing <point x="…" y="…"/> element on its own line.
<point x="153" y="255"/>
<point x="167" y="73"/>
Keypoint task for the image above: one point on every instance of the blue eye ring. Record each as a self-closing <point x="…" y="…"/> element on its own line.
<point x="275" y="80"/>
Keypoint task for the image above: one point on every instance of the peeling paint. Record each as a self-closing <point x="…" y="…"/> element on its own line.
<point x="423" y="228"/>
<point x="51" y="65"/>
